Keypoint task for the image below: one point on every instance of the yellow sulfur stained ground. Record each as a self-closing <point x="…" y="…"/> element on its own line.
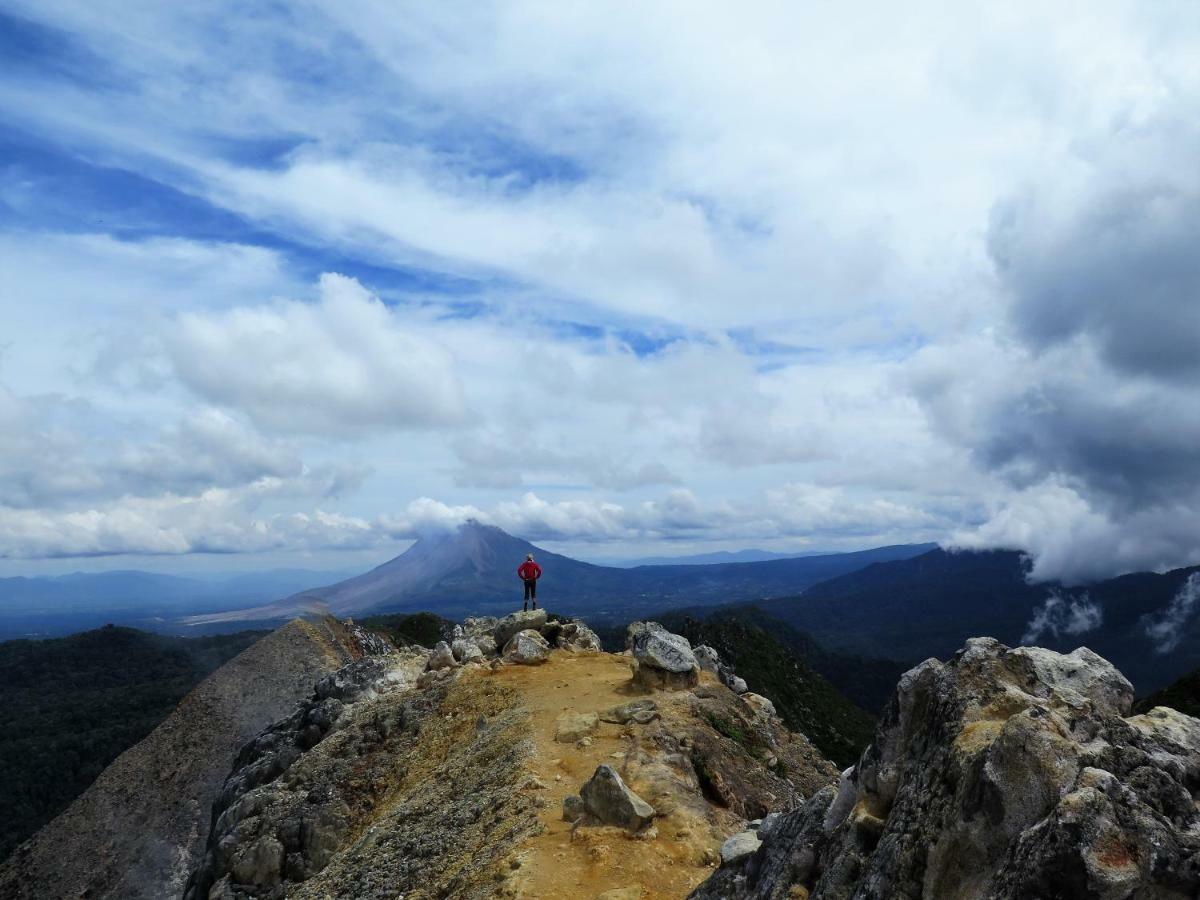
<point x="669" y="861"/>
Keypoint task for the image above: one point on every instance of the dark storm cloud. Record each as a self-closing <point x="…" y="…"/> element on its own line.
<point x="1118" y="265"/>
<point x="1104" y="277"/>
<point x="1087" y="398"/>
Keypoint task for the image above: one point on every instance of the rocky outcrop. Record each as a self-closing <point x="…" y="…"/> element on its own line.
<point x="371" y="790"/>
<point x="572" y="635"/>
<point x="140" y="828"/>
<point x="1004" y="773"/>
<point x="664" y="660"/>
<point x="507" y="628"/>
<point x="745" y="762"/>
<point x="467" y="650"/>
<point x="710" y="661"/>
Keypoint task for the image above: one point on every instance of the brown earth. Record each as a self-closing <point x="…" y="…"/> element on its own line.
<point x="680" y="849"/>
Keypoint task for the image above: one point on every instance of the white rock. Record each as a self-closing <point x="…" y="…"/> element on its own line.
<point x="519" y="621"/>
<point x="442" y="657"/>
<point x="738" y="847"/>
<point x="527" y="648"/>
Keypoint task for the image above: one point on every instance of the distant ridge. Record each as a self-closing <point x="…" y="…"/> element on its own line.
<point x="911" y="609"/>
<point x="722" y="556"/>
<point x="472" y="569"/>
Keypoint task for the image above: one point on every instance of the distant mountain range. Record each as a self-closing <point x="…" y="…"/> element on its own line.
<point x="900" y="603"/>
<point x="472" y="570"/>
<point x="1146" y="624"/>
<point x="719" y="556"/>
<point x="47" y="606"/>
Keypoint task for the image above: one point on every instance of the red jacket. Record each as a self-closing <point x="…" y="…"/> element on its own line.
<point x="529" y="571"/>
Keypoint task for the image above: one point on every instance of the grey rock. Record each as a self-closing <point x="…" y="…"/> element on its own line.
<point x="610" y="801"/>
<point x="641" y="712"/>
<point x="486" y="644"/>
<point x="767" y="825"/>
<point x="707" y="658"/>
<point x="737" y="684"/>
<point x="466" y="650"/>
<point x="477" y="626"/>
<point x="1005" y="774"/>
<point x="519" y="621"/>
<point x="576" y="636"/>
<point x="442" y="657"/>
<point x="526" y="648"/>
<point x="762" y="707"/>
<point x="654" y="646"/>
<point x="739" y="846"/>
<point x="664" y="660"/>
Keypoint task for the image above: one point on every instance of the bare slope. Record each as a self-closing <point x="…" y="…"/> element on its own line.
<point x="376" y="789"/>
<point x="140" y="828"/>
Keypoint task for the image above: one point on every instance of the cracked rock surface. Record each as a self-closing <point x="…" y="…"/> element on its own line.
<point x="1003" y="773"/>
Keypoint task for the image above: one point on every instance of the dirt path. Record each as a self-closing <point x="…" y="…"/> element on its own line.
<point x="666" y="863"/>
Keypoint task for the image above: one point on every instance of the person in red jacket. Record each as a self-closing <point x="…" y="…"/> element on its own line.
<point x="529" y="572"/>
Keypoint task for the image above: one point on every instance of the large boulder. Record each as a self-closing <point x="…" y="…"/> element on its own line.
<point x="653" y="645"/>
<point x="664" y="660"/>
<point x="1003" y="774"/>
<point x="609" y="800"/>
<point x="519" y="621"/>
<point x="760" y="704"/>
<point x="526" y="648"/>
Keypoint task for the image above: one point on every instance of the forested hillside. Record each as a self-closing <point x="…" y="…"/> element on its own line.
<point x="72" y="705"/>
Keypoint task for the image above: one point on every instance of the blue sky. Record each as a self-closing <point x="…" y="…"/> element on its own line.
<point x="289" y="284"/>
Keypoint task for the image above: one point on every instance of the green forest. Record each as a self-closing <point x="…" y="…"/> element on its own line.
<point x="72" y="705"/>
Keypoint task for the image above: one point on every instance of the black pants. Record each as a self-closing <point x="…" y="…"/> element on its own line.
<point x="530" y="591"/>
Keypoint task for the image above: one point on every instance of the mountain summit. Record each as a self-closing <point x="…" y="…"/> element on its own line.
<point x="472" y="560"/>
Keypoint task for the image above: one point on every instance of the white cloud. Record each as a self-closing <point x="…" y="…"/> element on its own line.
<point x="1166" y="628"/>
<point x="218" y="520"/>
<point x="1063" y="616"/>
<point x="336" y="368"/>
<point x="908" y="295"/>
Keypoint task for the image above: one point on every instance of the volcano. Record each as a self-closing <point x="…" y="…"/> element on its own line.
<point x="472" y="569"/>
